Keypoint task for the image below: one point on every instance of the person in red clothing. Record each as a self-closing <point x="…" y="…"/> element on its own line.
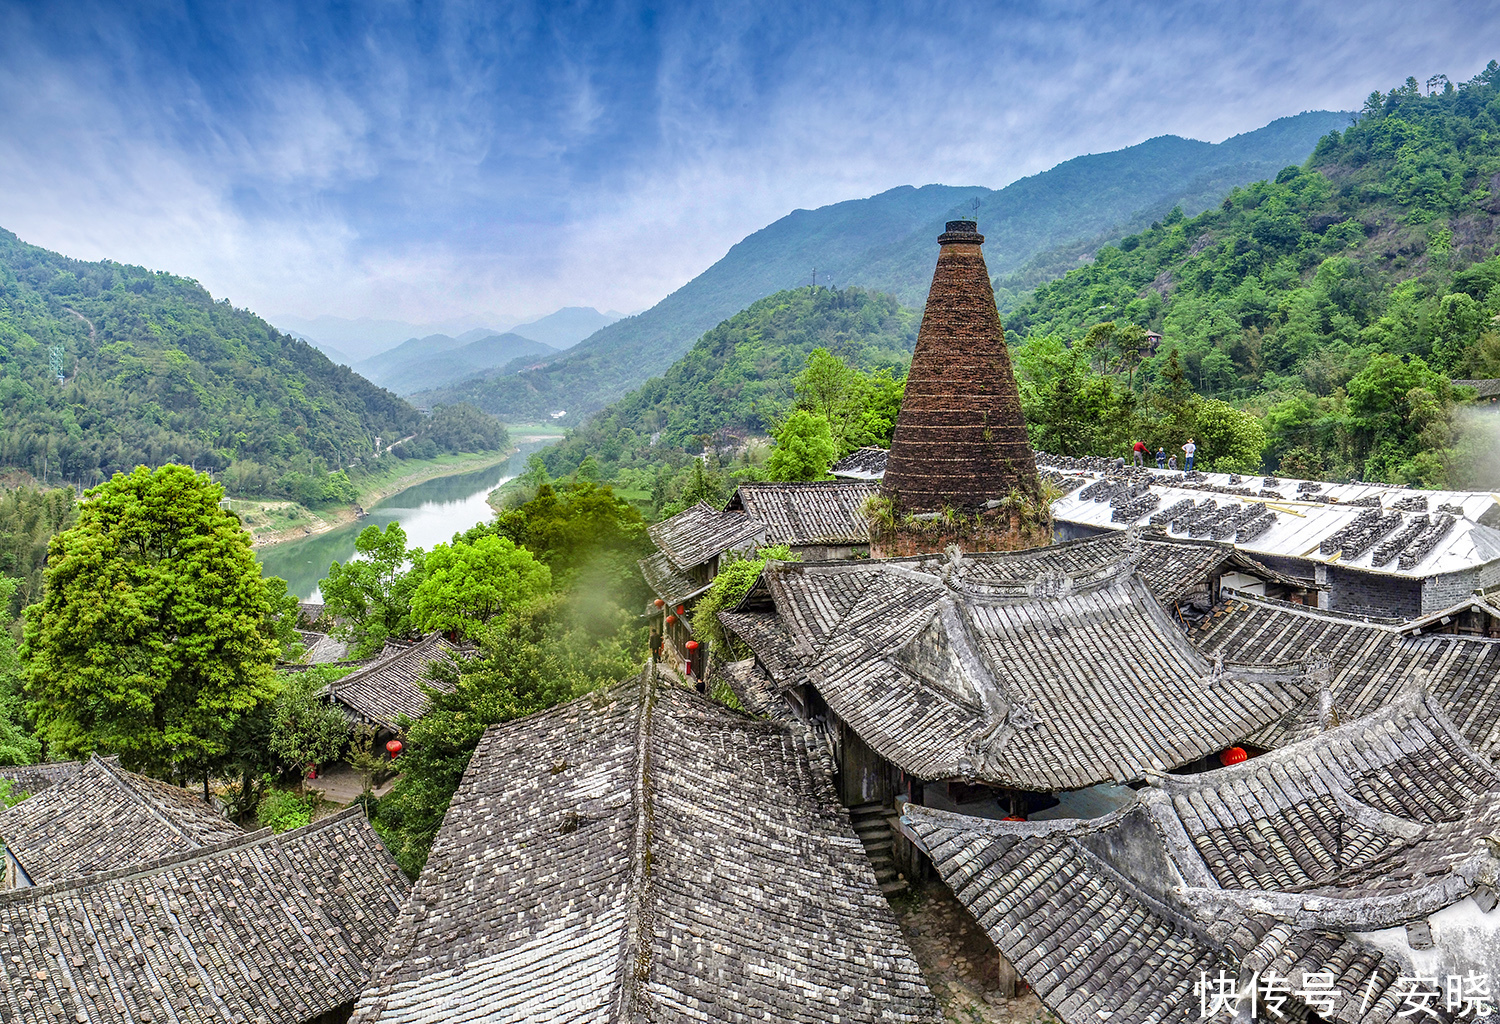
<point x="1139" y="453"/>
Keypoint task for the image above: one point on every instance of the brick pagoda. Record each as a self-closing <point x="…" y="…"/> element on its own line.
<point x="961" y="469"/>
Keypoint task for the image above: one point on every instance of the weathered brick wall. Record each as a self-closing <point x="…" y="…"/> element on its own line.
<point x="960" y="438"/>
<point x="971" y="534"/>
<point x="1439" y="592"/>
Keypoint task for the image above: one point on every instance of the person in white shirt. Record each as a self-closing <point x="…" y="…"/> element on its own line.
<point x="1190" y="449"/>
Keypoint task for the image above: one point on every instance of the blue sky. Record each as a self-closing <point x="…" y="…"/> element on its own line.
<point x="432" y="161"/>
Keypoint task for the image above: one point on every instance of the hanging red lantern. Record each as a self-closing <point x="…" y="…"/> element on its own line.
<point x="659" y="603"/>
<point x="1234" y="755"/>
<point x="691" y="645"/>
<point x="312" y="771"/>
<point x="671" y="619"/>
<point x="679" y="609"/>
<point x="393" y="747"/>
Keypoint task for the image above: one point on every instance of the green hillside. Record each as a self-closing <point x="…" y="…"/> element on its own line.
<point x="736" y="382"/>
<point x="1334" y="302"/>
<point x="887" y="242"/>
<point x="154" y="371"/>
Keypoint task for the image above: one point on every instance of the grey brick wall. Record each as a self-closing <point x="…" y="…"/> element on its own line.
<point x="1368" y="593"/>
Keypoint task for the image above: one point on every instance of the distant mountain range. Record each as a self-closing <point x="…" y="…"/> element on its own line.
<point x="888" y="242"/>
<point x="419" y="364"/>
<point x="352" y="342"/>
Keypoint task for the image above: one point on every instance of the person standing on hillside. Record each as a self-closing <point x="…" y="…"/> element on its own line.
<point x="1161" y="458"/>
<point x="1190" y="449"/>
<point x="1138" y="453"/>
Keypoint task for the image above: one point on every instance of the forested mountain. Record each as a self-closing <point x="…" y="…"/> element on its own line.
<point x="1334" y="300"/>
<point x="566" y="327"/>
<point x="737" y="382"/>
<point x="105" y="366"/>
<point x="437" y="360"/>
<point x="887" y="242"/>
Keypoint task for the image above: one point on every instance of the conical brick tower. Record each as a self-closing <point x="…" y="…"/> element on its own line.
<point x="961" y="469"/>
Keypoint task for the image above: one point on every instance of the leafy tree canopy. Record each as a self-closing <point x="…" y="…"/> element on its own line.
<point x="804" y="448"/>
<point x="152" y="639"/>
<point x="466" y="584"/>
<point x="1332" y="303"/>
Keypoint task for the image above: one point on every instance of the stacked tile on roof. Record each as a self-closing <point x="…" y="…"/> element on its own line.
<point x="866" y="463"/>
<point x="101" y="818"/>
<point x="1344" y="855"/>
<point x="271" y="929"/>
<point x="322" y="649"/>
<point x="807" y="514"/>
<point x="1056" y="684"/>
<point x="696" y="535"/>
<point x="381" y="693"/>
<point x="646" y="854"/>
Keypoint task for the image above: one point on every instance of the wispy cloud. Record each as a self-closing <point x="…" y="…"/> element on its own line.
<point x="424" y="161"/>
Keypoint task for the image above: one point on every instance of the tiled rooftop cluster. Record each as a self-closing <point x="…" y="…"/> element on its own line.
<point x="1300" y="863"/>
<point x="1039" y="670"/>
<point x="646" y="854"/>
<point x="391" y="686"/>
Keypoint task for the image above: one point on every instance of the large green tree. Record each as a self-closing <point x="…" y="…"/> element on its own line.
<point x="17" y="746"/>
<point x="153" y="638"/>
<point x="804" y="448"/>
<point x="371" y="596"/>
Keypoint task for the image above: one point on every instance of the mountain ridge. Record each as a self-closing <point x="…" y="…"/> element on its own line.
<point x="885" y="242"/>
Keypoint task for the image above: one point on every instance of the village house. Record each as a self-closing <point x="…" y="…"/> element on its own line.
<point x="99" y="817"/>
<point x="271" y="929"/>
<point x="646" y="854"/>
<point x="382" y="691"/>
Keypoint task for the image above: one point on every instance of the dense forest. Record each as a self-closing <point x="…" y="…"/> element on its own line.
<point x="739" y="382"/>
<point x="1332" y="303"/>
<point x="105" y="366"/>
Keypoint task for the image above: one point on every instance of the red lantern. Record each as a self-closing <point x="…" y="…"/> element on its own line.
<point x="671" y="619"/>
<point x="393" y="747"/>
<point x="659" y="603"/>
<point x="691" y="645"/>
<point x="1012" y="817"/>
<point x="679" y="609"/>
<point x="312" y="771"/>
<point x="1234" y="755"/>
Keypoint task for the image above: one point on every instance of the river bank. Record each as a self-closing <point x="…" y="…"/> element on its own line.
<point x="274" y="521"/>
<point x="430" y="512"/>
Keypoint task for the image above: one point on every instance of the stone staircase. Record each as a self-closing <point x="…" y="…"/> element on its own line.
<point x="872" y="823"/>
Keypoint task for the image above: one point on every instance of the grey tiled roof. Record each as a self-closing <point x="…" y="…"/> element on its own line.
<point x="101" y="818"/>
<point x="1369" y="664"/>
<point x="807" y="513"/>
<point x="30" y="779"/>
<point x="757" y="692"/>
<point x="1288" y="861"/>
<point x="866" y="463"/>
<point x="695" y="535"/>
<point x="276" y="929"/>
<point x="391" y="687"/>
<point x="768" y="638"/>
<point x="322" y="648"/>
<point x="646" y="854"/>
<point x="666" y="582"/>
<point x="1061" y="687"/>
